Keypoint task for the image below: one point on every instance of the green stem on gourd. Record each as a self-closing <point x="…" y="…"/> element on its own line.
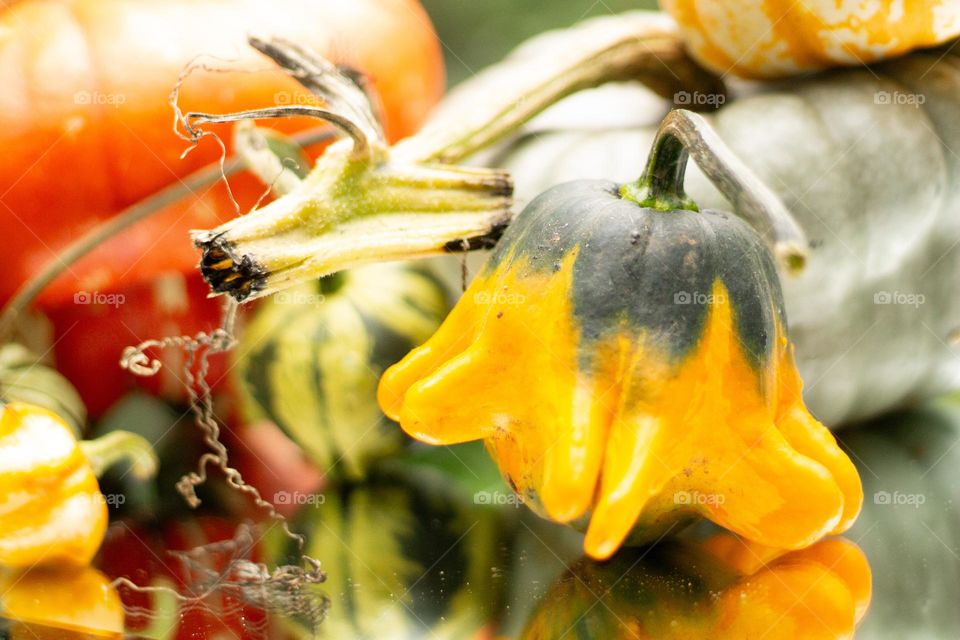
<point x="684" y="134"/>
<point x="661" y="185"/>
<point x="119" y="446"/>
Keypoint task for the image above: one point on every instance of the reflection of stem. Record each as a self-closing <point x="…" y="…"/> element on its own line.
<point x="117" y="446"/>
<point x="122" y="221"/>
<point x="683" y="133"/>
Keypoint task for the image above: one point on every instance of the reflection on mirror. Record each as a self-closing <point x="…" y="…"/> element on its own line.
<point x="721" y="589"/>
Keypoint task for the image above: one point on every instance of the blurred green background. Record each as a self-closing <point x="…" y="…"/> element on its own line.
<point x="476" y="33"/>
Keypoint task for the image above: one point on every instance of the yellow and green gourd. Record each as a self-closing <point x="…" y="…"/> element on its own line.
<point x="872" y="180"/>
<point x="311" y="356"/>
<point x="625" y="357"/>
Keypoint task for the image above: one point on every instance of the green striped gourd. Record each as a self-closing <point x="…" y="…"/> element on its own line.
<point x="311" y="357"/>
<point x="406" y="558"/>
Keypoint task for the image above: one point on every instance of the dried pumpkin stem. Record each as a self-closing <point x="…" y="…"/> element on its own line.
<point x="410" y="200"/>
<point x="643" y="46"/>
<point x="347" y="213"/>
<point x="353" y="207"/>
<point x="684" y="134"/>
<point x="340" y="87"/>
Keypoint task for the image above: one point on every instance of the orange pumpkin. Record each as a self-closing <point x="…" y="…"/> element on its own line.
<point x="85" y="122"/>
<point x="85" y="126"/>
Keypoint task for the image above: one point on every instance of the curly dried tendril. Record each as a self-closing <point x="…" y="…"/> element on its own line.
<point x="283" y="587"/>
<point x="199" y="348"/>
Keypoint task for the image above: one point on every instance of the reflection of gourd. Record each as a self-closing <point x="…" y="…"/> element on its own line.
<point x="310" y="359"/>
<point x="684" y="590"/>
<point x="404" y="558"/>
<point x="77" y="603"/>
<point x="910" y="525"/>
<point x="871" y="175"/>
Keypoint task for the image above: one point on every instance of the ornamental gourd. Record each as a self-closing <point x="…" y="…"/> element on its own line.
<point x="312" y="355"/>
<point x="775" y="38"/>
<point x="871" y="179"/>
<point x="51" y="508"/>
<point x="626" y="355"/>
